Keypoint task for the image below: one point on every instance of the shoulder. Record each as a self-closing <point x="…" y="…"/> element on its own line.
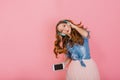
<point x="87" y="34"/>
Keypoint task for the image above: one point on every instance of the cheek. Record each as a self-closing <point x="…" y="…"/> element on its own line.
<point x="69" y="28"/>
<point x="59" y="28"/>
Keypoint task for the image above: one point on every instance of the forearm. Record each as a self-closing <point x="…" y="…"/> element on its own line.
<point x="67" y="61"/>
<point x="82" y="31"/>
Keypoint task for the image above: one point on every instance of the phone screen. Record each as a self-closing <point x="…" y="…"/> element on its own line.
<point x="58" y="66"/>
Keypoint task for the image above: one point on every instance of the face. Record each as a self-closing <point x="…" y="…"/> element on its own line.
<point x="64" y="28"/>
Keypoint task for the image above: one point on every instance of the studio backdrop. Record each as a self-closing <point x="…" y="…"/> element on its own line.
<point x="27" y="35"/>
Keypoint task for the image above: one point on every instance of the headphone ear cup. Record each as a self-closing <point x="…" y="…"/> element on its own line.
<point x="66" y="21"/>
<point x="61" y="34"/>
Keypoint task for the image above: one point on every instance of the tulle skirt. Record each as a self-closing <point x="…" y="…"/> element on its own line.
<point x="76" y="72"/>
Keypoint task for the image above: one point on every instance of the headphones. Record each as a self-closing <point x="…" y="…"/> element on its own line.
<point x="62" y="34"/>
<point x="65" y="21"/>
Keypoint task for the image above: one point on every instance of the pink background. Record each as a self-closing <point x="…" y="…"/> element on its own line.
<point x="27" y="34"/>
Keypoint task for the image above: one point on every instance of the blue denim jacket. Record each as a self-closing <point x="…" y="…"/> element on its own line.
<point x="79" y="52"/>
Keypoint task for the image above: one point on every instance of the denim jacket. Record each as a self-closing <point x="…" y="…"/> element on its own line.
<point x="79" y="52"/>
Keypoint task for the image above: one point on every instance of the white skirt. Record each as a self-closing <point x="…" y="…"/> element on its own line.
<point x="76" y="72"/>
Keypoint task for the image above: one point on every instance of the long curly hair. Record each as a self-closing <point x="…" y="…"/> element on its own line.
<point x="61" y="41"/>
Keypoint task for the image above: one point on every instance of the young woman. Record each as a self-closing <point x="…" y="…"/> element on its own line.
<point x="72" y="40"/>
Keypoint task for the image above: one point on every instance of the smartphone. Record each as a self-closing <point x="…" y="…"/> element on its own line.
<point x="59" y="66"/>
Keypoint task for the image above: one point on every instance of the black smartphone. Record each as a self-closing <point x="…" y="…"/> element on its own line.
<point x="59" y="66"/>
